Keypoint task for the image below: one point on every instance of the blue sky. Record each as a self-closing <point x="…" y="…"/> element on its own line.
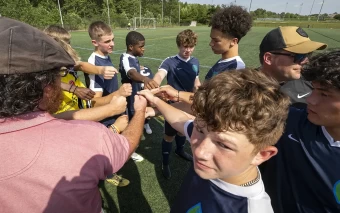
<point x="293" y="6"/>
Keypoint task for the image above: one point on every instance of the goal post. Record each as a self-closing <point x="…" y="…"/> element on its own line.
<point x="144" y="23"/>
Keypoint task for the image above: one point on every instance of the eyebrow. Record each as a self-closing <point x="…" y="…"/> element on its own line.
<point x="225" y="139"/>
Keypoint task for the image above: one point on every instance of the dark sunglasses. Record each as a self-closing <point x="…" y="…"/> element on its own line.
<point x="298" y="58"/>
<point x="64" y="71"/>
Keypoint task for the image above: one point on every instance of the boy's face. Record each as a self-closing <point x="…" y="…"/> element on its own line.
<point x="323" y="106"/>
<point x="222" y="155"/>
<point x="105" y="44"/>
<point x="185" y="52"/>
<point x="219" y="42"/>
<point x="138" y="49"/>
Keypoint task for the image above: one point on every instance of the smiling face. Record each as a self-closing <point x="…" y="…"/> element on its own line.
<point x="323" y="106"/>
<point x="221" y="155"/>
<point x="104" y="45"/>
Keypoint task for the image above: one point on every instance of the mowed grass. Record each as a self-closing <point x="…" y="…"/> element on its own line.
<point x="148" y="190"/>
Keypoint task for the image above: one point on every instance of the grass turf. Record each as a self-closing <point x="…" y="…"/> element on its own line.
<point x="148" y="190"/>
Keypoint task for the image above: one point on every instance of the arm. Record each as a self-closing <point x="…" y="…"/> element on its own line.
<point x="107" y="72"/>
<point x="175" y="117"/>
<point x="160" y="75"/>
<point x="137" y="77"/>
<point x="124" y="90"/>
<point x="174" y="95"/>
<point x="134" y="130"/>
<point x="115" y="107"/>
<point x="197" y="84"/>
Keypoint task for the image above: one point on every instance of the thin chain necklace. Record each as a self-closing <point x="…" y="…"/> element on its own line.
<point x="252" y="182"/>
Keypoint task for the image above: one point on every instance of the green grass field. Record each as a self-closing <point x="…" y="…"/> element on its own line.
<point x="148" y="190"/>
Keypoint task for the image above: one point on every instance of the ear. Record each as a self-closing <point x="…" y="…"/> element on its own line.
<point x="267" y="58"/>
<point x="95" y="43"/>
<point x="264" y="155"/>
<point x="234" y="41"/>
<point x="130" y="47"/>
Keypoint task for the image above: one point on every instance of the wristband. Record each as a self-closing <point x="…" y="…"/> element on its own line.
<point x="177" y="95"/>
<point x="69" y="90"/>
<point x="115" y="128"/>
<point x="75" y="89"/>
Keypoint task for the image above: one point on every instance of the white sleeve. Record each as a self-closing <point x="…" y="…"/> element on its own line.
<point x="186" y="128"/>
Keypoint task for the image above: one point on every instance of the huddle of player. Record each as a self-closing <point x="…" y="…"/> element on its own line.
<point x="237" y="119"/>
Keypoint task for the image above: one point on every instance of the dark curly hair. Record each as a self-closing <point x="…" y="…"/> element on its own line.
<point x="186" y="38"/>
<point x="21" y="93"/>
<point x="233" y="21"/>
<point x="324" y="68"/>
<point x="133" y="37"/>
<point x="245" y="101"/>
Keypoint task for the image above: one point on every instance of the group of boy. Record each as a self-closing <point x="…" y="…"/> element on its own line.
<point x="237" y="119"/>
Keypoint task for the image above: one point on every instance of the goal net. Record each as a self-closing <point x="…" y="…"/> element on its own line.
<point x="144" y="23"/>
<point x="193" y="24"/>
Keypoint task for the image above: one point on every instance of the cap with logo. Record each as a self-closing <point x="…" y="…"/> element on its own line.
<point x="25" y="49"/>
<point x="292" y="39"/>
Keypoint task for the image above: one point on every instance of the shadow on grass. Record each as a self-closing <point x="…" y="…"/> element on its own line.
<point x="150" y="149"/>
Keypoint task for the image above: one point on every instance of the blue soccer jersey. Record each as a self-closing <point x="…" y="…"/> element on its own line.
<point x="225" y="65"/>
<point x="99" y="84"/>
<point x="181" y="73"/>
<point x="216" y="196"/>
<point x="305" y="174"/>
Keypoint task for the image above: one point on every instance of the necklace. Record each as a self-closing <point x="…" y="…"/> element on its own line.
<point x="252" y="182"/>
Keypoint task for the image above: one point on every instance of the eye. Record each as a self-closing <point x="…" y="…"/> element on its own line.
<point x="222" y="145"/>
<point x="324" y="94"/>
<point x="198" y="129"/>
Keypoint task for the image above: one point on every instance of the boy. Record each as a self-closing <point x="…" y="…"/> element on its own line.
<point x="239" y="117"/>
<point x="228" y="26"/>
<point x="102" y="39"/>
<point x="182" y="73"/>
<point x="131" y="73"/>
<point x="304" y="176"/>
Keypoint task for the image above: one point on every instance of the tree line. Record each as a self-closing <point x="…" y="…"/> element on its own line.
<point x="77" y="14"/>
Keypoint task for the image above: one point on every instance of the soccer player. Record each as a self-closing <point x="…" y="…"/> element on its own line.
<point x="240" y="115"/>
<point x="283" y="52"/>
<point x="131" y="73"/>
<point x="182" y="72"/>
<point x="228" y="26"/>
<point x="304" y="176"/>
<point x="102" y="39"/>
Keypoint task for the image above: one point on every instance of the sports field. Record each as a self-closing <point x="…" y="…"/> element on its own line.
<point x="148" y="190"/>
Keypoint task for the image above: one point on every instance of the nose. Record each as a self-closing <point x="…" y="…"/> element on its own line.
<point x="211" y="44"/>
<point x="312" y="99"/>
<point x="204" y="150"/>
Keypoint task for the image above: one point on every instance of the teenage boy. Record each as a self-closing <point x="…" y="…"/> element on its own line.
<point x="228" y="26"/>
<point x="131" y="73"/>
<point x="182" y="72"/>
<point x="304" y="176"/>
<point x="240" y="115"/>
<point x="102" y="39"/>
<point x="283" y="52"/>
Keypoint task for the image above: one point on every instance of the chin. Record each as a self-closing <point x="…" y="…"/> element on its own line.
<point x="204" y="175"/>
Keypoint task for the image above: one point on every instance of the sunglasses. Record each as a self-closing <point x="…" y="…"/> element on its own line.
<point x="64" y="71"/>
<point x="298" y="58"/>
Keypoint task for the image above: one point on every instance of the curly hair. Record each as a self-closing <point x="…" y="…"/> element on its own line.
<point x="324" y="68"/>
<point x="233" y="21"/>
<point x="133" y="37"/>
<point x="98" y="29"/>
<point x="245" y="101"/>
<point x="186" y="38"/>
<point x="21" y="93"/>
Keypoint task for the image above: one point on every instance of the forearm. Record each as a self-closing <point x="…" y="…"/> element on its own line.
<point x="100" y="101"/>
<point x="158" y="78"/>
<point x="89" y="68"/>
<point x="175" y="117"/>
<point x="92" y="114"/>
<point x="185" y="96"/>
<point x="136" y="77"/>
<point x="134" y="130"/>
<point x="65" y="86"/>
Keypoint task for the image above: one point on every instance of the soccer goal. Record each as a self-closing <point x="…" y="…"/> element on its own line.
<point x="144" y="23"/>
<point x="193" y="24"/>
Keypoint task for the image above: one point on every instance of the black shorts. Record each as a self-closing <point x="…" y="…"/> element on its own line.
<point x="168" y="130"/>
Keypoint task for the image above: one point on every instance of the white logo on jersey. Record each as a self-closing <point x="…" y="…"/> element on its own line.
<point x="301" y="96"/>
<point x="143" y="73"/>
<point x="291" y="138"/>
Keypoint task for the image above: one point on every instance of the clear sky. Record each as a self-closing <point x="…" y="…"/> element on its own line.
<point x="293" y="6"/>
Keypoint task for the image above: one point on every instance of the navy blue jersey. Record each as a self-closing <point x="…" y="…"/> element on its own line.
<point x="225" y="65"/>
<point x="305" y="174"/>
<point x="128" y="62"/>
<point x="181" y="74"/>
<point x="216" y="196"/>
<point x="99" y="84"/>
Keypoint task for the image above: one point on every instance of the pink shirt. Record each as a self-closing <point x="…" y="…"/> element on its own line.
<point x="53" y="165"/>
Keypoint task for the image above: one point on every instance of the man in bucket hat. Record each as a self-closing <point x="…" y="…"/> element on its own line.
<point x="39" y="168"/>
<point x="283" y="52"/>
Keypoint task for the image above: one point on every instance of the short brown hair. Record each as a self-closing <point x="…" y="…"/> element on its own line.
<point x="244" y="101"/>
<point x="186" y="38"/>
<point x="98" y="29"/>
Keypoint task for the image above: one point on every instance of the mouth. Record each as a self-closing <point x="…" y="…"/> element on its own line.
<point x="310" y="111"/>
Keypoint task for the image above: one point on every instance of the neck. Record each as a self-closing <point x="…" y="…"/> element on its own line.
<point x="250" y="174"/>
<point x="334" y="132"/>
<point x="232" y="52"/>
